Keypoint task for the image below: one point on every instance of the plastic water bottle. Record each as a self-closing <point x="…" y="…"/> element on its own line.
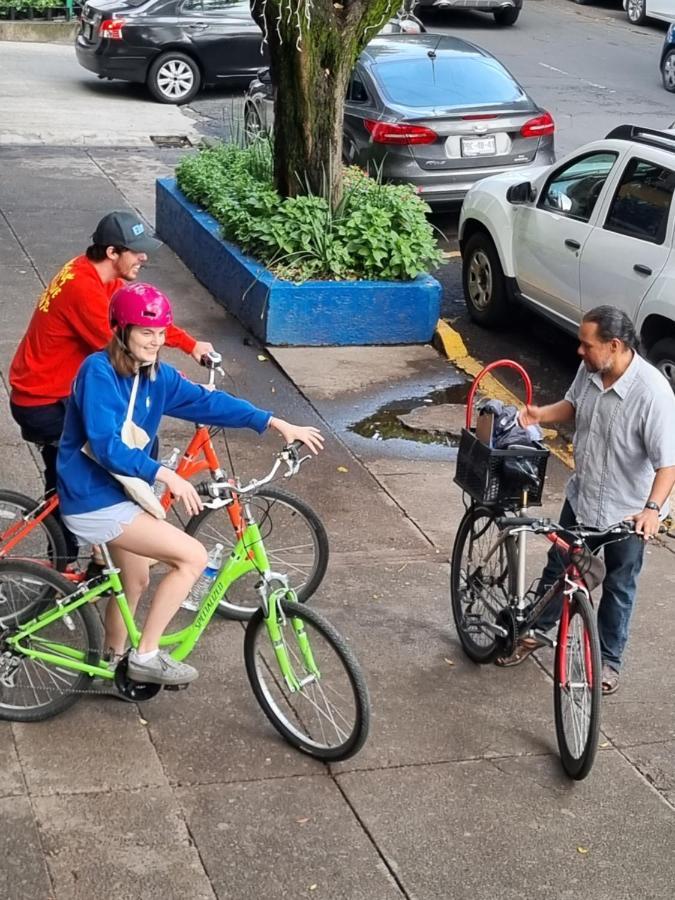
<point x="171" y="462"/>
<point x="206" y="579"/>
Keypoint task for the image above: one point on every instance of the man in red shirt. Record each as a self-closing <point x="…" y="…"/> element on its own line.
<point x="70" y="322"/>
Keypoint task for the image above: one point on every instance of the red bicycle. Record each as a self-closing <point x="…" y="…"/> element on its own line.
<point x="295" y="538"/>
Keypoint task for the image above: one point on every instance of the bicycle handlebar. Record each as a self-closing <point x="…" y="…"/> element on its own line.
<point x="547" y="526"/>
<point x="290" y="455"/>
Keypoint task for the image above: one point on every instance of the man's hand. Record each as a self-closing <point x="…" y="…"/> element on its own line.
<point x="200" y="348"/>
<point x="309" y="436"/>
<point x="646" y="523"/>
<point x="529" y="415"/>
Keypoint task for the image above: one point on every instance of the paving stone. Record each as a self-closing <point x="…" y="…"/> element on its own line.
<point x="127" y="845"/>
<point x="105" y="735"/>
<point x="320" y="849"/>
<point x="11" y="777"/>
<point x="657" y="764"/>
<point x="517" y="829"/>
<point x="23" y="871"/>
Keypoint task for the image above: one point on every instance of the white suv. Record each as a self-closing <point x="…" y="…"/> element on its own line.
<point x="597" y="227"/>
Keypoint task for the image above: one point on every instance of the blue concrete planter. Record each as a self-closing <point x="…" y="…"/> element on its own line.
<point x="284" y="314"/>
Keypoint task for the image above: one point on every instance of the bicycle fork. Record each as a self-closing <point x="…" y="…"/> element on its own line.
<point x="275" y="620"/>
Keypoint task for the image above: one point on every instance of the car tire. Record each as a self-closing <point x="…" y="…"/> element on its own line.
<point x="253" y="124"/>
<point x="174" y="77"/>
<point x="483" y="281"/>
<point x="506" y="16"/>
<point x="668" y="71"/>
<point x="662" y="355"/>
<point x="636" y="11"/>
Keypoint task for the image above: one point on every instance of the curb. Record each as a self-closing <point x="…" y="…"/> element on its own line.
<point x="39" y="32"/>
<point x="451" y="344"/>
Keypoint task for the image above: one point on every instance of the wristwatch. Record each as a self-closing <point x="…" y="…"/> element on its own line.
<point x="652" y="504"/>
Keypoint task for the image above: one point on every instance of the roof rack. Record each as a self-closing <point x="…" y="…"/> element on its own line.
<point x="650" y="136"/>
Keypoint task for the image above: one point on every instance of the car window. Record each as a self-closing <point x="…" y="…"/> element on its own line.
<point x="642" y="201"/>
<point x="356" y="92"/>
<point x="208" y="7"/>
<point x="448" y="82"/>
<point x="574" y="189"/>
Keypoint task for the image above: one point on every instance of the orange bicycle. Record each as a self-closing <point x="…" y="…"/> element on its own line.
<point x="295" y="538"/>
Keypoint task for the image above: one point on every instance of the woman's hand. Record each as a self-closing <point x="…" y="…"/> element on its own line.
<point x="181" y="490"/>
<point x="308" y="435"/>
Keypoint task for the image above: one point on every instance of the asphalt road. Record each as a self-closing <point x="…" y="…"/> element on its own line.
<point x="586" y="64"/>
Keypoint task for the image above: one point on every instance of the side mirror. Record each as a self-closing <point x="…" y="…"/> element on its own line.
<point x="520" y="193"/>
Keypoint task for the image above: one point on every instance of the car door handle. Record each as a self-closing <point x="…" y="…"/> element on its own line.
<point x="198" y="26"/>
<point x="642" y="270"/>
<point x="573" y="245"/>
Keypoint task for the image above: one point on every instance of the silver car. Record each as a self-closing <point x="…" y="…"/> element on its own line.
<point x="506" y="12"/>
<point x="431" y="110"/>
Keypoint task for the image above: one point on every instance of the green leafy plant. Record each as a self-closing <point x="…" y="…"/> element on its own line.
<point x="378" y="231"/>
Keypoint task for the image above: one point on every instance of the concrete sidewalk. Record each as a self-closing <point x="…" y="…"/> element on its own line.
<point x="457" y="794"/>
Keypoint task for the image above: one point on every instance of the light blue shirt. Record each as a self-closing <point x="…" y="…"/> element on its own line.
<point x="622" y="435"/>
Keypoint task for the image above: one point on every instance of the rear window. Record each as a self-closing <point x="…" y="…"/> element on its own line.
<point x="448" y="81"/>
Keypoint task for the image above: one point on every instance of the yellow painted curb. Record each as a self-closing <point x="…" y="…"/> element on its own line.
<point x="455" y="350"/>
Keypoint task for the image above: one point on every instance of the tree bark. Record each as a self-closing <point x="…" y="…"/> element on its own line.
<point x="313" y="45"/>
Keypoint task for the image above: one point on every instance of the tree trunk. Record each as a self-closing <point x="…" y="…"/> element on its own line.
<point x="312" y="50"/>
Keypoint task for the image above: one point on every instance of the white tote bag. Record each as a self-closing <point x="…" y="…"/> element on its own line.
<point x="137" y="439"/>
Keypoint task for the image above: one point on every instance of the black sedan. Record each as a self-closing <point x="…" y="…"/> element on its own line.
<point x="175" y="47"/>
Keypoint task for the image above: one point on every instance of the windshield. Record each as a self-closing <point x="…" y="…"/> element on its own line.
<point x="448" y="81"/>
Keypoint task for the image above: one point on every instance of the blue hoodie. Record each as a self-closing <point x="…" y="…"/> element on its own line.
<point x="96" y="412"/>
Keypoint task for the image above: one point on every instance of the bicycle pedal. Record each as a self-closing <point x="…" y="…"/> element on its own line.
<point x="176" y="687"/>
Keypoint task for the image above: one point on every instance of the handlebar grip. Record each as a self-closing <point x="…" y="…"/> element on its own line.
<point x="516" y="521"/>
<point x="203" y="489"/>
<point x="295" y="446"/>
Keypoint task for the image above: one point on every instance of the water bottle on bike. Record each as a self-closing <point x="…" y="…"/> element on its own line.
<point x="206" y="579"/>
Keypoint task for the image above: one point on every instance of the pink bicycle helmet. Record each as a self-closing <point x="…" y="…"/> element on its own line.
<point x="140" y="304"/>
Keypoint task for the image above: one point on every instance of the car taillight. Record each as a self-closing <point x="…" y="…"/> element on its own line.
<point x="539" y="126"/>
<point x="112" y="29"/>
<point x="399" y="133"/>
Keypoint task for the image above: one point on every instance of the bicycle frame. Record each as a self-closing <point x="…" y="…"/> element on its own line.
<point x="248" y="555"/>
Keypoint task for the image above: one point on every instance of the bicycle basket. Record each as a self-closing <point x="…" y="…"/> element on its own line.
<point x="482" y="474"/>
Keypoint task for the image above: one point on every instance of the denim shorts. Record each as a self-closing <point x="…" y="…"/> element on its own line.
<point x="102" y="525"/>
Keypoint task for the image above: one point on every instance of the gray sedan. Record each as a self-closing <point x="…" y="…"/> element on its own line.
<point x="431" y="110"/>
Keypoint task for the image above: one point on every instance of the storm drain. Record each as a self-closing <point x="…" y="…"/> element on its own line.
<point x="170" y="140"/>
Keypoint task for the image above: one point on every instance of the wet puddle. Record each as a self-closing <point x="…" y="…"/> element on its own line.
<point x="432" y="418"/>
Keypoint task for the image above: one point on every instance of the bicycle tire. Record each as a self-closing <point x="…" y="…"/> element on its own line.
<point x="578" y="761"/>
<point x="56" y="551"/>
<point x="60" y="694"/>
<point x="293" y="720"/>
<point x="241" y="601"/>
<point x="468" y="629"/>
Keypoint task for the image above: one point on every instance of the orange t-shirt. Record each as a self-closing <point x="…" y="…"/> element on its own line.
<point x="69" y="322"/>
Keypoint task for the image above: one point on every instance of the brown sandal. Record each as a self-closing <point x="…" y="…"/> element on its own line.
<point x="524" y="647"/>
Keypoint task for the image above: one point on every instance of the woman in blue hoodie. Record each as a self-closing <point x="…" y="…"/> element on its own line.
<point x="93" y="503"/>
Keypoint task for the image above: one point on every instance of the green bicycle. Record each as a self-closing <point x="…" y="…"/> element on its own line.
<point x="302" y="673"/>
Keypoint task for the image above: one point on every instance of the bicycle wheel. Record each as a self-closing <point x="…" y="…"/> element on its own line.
<point x="577" y="688"/>
<point x="329" y="716"/>
<point x="480" y="588"/>
<point x="44" y="542"/>
<point x="31" y="690"/>
<point x="295" y="540"/>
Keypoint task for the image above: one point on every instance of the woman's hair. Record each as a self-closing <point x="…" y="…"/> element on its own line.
<point x="97" y="252"/>
<point x="613" y="324"/>
<point x="122" y="361"/>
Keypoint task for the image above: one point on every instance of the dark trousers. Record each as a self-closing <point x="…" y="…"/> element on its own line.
<point x="623" y="562"/>
<point x="43" y="425"/>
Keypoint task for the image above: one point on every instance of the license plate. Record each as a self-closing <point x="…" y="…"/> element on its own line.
<point x="87" y="31"/>
<point x="483" y="146"/>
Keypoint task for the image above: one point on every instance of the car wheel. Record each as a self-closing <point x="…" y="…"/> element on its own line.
<point x="174" y="78"/>
<point x="483" y="281"/>
<point x="662" y="355"/>
<point x="668" y="71"/>
<point x="253" y="126"/>
<point x="506" y="16"/>
<point x="636" y="10"/>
